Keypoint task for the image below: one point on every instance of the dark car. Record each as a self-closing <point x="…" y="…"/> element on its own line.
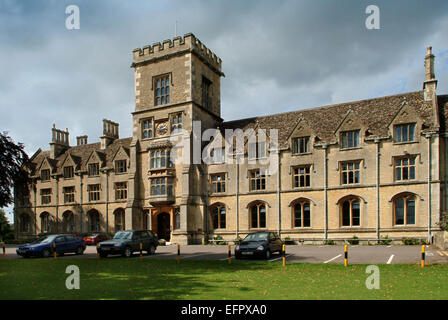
<point x="93" y="239"/>
<point x="43" y="247"/>
<point x="259" y="244"/>
<point x="128" y="242"/>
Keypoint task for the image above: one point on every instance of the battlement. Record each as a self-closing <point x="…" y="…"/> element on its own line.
<point x="179" y="45"/>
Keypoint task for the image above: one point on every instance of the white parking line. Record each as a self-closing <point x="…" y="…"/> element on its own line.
<point x="390" y="259"/>
<point x="194" y="255"/>
<point x="287" y="255"/>
<point x="333" y="258"/>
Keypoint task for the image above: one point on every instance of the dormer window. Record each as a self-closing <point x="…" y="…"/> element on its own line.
<point x="162" y="94"/>
<point x="404" y="132"/>
<point x="94" y="169"/>
<point x="257" y="150"/>
<point x="301" y="145"/>
<point x="218" y="155"/>
<point x="45" y="175"/>
<point x="350" y="139"/>
<point x="68" y="172"/>
<point x="120" y="166"/>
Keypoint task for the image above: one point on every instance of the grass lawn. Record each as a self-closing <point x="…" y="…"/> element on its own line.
<point x="215" y="280"/>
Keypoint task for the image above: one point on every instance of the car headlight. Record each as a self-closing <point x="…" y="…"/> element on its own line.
<point x="260" y="248"/>
<point x="237" y="247"/>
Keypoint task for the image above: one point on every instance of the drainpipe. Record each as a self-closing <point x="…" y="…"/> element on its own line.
<point x="35" y="207"/>
<point x="429" y="136"/>
<point x="57" y="204"/>
<point x="80" y="203"/>
<point x="377" y="142"/>
<point x="237" y="178"/>
<point x="279" y="201"/>
<point x="107" y="200"/>
<point x="325" y="147"/>
<point x="445" y="147"/>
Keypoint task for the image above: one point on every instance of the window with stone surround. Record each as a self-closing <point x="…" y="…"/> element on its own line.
<point x="351" y="212"/>
<point x="256" y="150"/>
<point x="162" y="90"/>
<point x="45" y="195"/>
<point x="162" y="186"/>
<point x="404" y="210"/>
<point x="258" y="215"/>
<point x="160" y="159"/>
<point x="94" y="169"/>
<point x="404" y="132"/>
<point x="176" y="123"/>
<point x="218" y="213"/>
<point x="121" y="166"/>
<point x="350" y="139"/>
<point x="404" y="168"/>
<point x="121" y="191"/>
<point x="302" y="176"/>
<point x="350" y="172"/>
<point x="257" y="179"/>
<point x="94" y="192"/>
<point x="218" y="182"/>
<point x="302" y="214"/>
<point x="301" y="145"/>
<point x="68" y="172"/>
<point x="69" y="194"/>
<point x="147" y="129"/>
<point x="45" y="175"/>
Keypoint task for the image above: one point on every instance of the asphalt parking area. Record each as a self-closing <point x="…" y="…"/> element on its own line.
<point x="357" y="254"/>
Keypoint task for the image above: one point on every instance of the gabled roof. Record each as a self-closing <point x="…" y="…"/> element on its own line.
<point x="375" y="113"/>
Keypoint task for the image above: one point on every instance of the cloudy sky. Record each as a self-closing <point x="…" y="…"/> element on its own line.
<point x="278" y="56"/>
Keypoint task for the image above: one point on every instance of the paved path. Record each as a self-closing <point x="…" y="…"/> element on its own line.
<point x="295" y="253"/>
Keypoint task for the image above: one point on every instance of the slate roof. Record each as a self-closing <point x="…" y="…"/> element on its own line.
<point x="82" y="153"/>
<point x="376" y="114"/>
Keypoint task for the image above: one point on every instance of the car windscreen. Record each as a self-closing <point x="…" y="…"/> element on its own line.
<point x="44" y="240"/>
<point x="257" y="237"/>
<point x="123" y="235"/>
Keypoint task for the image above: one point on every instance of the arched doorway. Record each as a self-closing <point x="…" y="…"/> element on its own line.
<point x="163" y="226"/>
<point x="93" y="217"/>
<point x="68" y="222"/>
<point x="119" y="219"/>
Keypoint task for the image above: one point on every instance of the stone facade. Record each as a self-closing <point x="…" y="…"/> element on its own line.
<point x="370" y="168"/>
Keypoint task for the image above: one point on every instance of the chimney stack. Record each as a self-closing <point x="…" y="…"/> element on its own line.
<point x="59" y="142"/>
<point x="110" y="133"/>
<point x="430" y="83"/>
<point x="81" y="140"/>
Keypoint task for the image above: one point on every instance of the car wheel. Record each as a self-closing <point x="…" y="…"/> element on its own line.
<point x="127" y="252"/>
<point x="152" y="249"/>
<point x="268" y="254"/>
<point x="79" y="250"/>
<point x="237" y="256"/>
<point x="45" y="253"/>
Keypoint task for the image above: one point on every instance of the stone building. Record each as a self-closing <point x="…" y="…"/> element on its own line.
<point x="369" y="168"/>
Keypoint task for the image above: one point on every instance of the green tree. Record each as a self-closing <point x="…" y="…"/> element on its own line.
<point x="6" y="231"/>
<point x="13" y="162"/>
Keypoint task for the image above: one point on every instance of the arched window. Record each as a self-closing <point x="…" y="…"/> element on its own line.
<point x="351" y="212"/>
<point x="404" y="209"/>
<point x="68" y="222"/>
<point x="258" y="215"/>
<point x="219" y="216"/>
<point x="46" y="223"/>
<point x="302" y="214"/>
<point x="25" y="223"/>
<point x="119" y="220"/>
<point x="93" y="220"/>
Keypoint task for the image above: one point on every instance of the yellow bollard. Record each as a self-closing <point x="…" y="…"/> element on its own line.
<point x="54" y="249"/>
<point x="141" y="248"/>
<point x="4" y="250"/>
<point x="423" y="256"/>
<point x="97" y="250"/>
<point x="230" y="254"/>
<point x="178" y="253"/>
<point x="284" y="255"/>
<point x="345" y="256"/>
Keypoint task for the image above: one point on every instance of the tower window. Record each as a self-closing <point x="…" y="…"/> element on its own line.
<point x="206" y="93"/>
<point x="176" y="122"/>
<point x="147" y="129"/>
<point x="162" y="95"/>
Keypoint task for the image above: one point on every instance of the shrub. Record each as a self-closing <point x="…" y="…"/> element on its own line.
<point x="353" y="240"/>
<point x="219" y="242"/>
<point x="237" y="240"/>
<point x="289" y="241"/>
<point x="410" y="241"/>
<point x="385" y="240"/>
<point x="329" y="243"/>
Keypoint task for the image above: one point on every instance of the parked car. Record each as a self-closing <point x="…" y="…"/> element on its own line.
<point x="43" y="247"/>
<point x="93" y="239"/>
<point x="128" y="242"/>
<point x="259" y="244"/>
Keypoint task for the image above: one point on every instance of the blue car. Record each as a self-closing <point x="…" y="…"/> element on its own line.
<point x="43" y="247"/>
